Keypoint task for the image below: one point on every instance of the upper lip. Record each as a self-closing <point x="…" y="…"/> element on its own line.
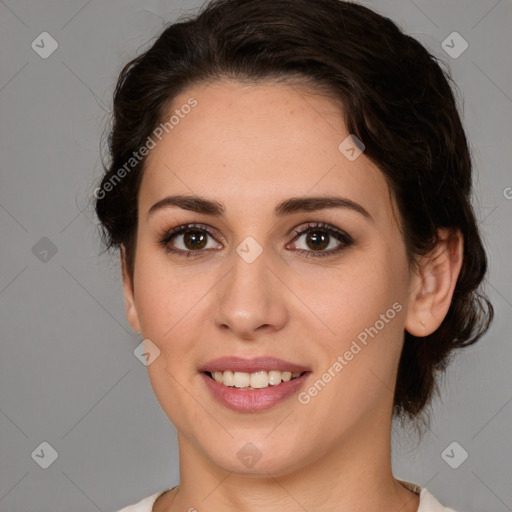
<point x="257" y="364"/>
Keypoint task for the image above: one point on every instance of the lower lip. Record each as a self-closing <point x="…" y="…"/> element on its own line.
<point x="253" y="400"/>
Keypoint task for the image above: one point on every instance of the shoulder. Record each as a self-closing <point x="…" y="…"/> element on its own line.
<point x="145" y="505"/>
<point x="428" y="503"/>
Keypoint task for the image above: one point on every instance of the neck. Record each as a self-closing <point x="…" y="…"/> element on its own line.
<point x="355" y="477"/>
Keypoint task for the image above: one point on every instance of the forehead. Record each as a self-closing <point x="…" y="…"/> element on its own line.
<point x="247" y="144"/>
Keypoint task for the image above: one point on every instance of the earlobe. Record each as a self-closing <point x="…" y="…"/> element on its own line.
<point x="432" y="287"/>
<point x="129" y="295"/>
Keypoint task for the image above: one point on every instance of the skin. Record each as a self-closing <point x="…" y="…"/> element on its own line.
<point x="250" y="147"/>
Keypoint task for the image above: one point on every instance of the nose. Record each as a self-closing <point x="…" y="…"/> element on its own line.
<point x="251" y="299"/>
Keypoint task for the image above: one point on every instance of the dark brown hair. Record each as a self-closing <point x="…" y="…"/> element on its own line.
<point x="396" y="99"/>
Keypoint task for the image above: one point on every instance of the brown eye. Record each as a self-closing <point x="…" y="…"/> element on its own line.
<point x="194" y="239"/>
<point x="317" y="240"/>
<point x="185" y="240"/>
<point x="321" y="240"/>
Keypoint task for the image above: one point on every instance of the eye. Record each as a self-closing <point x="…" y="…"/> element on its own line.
<point x="322" y="239"/>
<point x="194" y="238"/>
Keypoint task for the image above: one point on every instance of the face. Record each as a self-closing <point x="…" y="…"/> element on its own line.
<point x="321" y="286"/>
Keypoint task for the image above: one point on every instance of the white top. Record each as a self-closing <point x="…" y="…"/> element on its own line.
<point x="427" y="502"/>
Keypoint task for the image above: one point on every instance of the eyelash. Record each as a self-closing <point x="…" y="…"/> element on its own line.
<point x="345" y="239"/>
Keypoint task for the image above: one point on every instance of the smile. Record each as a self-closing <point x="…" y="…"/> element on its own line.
<point x="257" y="380"/>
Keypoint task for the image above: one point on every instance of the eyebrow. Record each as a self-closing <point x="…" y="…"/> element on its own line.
<point x="287" y="207"/>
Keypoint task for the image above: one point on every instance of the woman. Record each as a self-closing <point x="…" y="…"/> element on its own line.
<point x="289" y="187"/>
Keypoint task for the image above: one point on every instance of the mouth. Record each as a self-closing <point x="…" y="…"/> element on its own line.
<point x="253" y="385"/>
<point x="255" y="380"/>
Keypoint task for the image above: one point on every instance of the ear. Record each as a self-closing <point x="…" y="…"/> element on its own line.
<point x="431" y="288"/>
<point x="129" y="296"/>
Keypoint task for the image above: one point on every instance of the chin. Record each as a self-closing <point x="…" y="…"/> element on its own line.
<point x="259" y="458"/>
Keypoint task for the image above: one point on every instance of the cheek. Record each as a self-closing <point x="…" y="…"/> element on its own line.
<point x="353" y="296"/>
<point x="164" y="294"/>
<point x="358" y="364"/>
<point x="364" y="316"/>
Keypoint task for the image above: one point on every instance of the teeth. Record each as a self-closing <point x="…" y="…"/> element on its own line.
<point x="242" y="380"/>
<point x="274" y="378"/>
<point x="256" y="380"/>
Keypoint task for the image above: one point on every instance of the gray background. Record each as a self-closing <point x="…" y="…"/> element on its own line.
<point x="68" y="375"/>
